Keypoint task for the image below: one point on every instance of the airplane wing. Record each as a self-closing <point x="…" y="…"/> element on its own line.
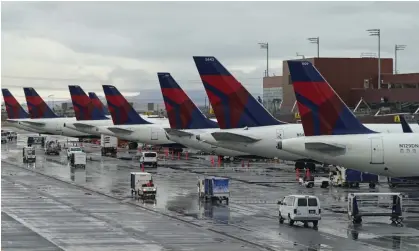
<point x="324" y="147"/>
<point x="118" y="130"/>
<point x="176" y="132"/>
<point x="33" y="123"/>
<point x="82" y="125"/>
<point x="233" y="137"/>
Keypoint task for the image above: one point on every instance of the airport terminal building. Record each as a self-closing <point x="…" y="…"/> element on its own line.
<point x="354" y="79"/>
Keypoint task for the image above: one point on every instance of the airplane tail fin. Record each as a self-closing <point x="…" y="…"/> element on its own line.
<point x="36" y="105"/>
<point x="121" y="111"/>
<point x="98" y="103"/>
<point x="321" y="109"/>
<point x="182" y="112"/>
<point x="233" y="105"/>
<point x="83" y="105"/>
<point x="406" y="127"/>
<point x="13" y="108"/>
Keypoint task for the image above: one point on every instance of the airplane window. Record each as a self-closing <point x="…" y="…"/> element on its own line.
<point x="407" y="150"/>
<point x="401" y="151"/>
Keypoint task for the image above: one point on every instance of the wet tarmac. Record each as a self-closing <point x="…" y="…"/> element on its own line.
<point x="55" y="206"/>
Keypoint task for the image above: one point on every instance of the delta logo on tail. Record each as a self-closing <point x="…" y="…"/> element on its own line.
<point x="97" y="103"/>
<point x="321" y="109"/>
<point x="84" y="108"/>
<point x="13" y="108"/>
<point x="36" y="105"/>
<point x="121" y="111"/>
<point x="182" y="112"/>
<point x="233" y="105"/>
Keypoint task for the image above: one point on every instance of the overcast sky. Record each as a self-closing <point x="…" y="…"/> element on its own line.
<point x="49" y="45"/>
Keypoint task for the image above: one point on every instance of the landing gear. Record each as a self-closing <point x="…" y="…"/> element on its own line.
<point x="311" y="166"/>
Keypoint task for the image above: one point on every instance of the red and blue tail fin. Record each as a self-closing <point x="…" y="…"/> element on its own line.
<point x="182" y="112"/>
<point x="233" y="105"/>
<point x="98" y="103"/>
<point x="83" y="105"/>
<point x="121" y="111"/>
<point x="37" y="107"/>
<point x="13" y="108"/>
<point x="321" y="109"/>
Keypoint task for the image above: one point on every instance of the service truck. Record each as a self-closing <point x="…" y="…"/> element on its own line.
<point x="142" y="185"/>
<point x="28" y="154"/>
<point x="109" y="145"/>
<point x="52" y="147"/>
<point x="78" y="159"/>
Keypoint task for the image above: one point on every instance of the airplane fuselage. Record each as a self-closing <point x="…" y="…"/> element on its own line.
<point x="389" y="154"/>
<point x="268" y="136"/>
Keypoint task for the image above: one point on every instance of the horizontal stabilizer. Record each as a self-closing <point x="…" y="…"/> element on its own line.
<point x="233" y="137"/>
<point x="83" y="125"/>
<point x="120" y="130"/>
<point x="178" y="133"/>
<point x="33" y="123"/>
<point x="322" y="147"/>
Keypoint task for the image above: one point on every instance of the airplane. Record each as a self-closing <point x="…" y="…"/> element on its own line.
<point x="186" y="120"/>
<point x="245" y="124"/>
<point x="16" y="113"/>
<point x="96" y="102"/>
<point x="43" y="118"/>
<point x="129" y="125"/>
<point x="334" y="135"/>
<point x="89" y="120"/>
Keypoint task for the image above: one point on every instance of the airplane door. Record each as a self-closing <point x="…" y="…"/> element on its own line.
<point x="154" y="134"/>
<point x="279" y="134"/>
<point x="377" y="151"/>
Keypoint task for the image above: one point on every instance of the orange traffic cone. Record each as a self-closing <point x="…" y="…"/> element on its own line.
<point x="297" y="171"/>
<point x="142" y="167"/>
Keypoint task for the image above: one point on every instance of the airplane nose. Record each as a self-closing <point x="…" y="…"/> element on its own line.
<point x="279" y="145"/>
<point x="198" y="137"/>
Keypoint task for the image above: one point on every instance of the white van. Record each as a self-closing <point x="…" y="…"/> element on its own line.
<point x="149" y="158"/>
<point x="304" y="208"/>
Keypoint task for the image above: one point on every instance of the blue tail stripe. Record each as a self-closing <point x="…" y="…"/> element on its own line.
<point x="406" y="127"/>
<point x="210" y="66"/>
<point x="314" y="112"/>
<point x="224" y="100"/>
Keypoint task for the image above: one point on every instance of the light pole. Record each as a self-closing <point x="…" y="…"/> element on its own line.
<point x="53" y="107"/>
<point x="300" y="55"/>
<point x="315" y="40"/>
<point x="376" y="32"/>
<point x="266" y="46"/>
<point x="397" y="47"/>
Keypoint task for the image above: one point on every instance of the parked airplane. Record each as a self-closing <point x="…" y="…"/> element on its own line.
<point x="186" y="120"/>
<point x="245" y="123"/>
<point x="83" y="107"/>
<point x="16" y="113"/>
<point x="334" y="135"/>
<point x="43" y="118"/>
<point x="129" y="125"/>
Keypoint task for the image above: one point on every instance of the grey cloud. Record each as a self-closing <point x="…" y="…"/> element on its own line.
<point x="170" y="33"/>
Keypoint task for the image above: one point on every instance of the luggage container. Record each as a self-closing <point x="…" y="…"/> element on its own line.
<point x="352" y="178"/>
<point x="214" y="189"/>
<point x="401" y="181"/>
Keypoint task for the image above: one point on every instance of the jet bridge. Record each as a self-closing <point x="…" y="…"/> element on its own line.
<point x="359" y="206"/>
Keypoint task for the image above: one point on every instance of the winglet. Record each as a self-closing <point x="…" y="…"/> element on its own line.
<point x="36" y="105"/>
<point x="406" y="127"/>
<point x="121" y="111"/>
<point x="13" y="108"/>
<point x="98" y="103"/>
<point x="83" y="106"/>
<point x="182" y="112"/>
<point x="233" y="105"/>
<point x="321" y="109"/>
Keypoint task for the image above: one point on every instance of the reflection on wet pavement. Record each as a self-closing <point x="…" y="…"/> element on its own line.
<point x="252" y="212"/>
